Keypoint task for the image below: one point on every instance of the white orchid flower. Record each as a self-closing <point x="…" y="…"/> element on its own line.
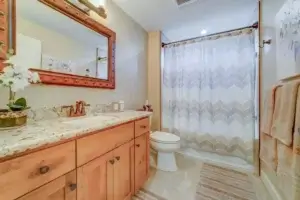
<point x="6" y="81"/>
<point x="35" y="78"/>
<point x="16" y="76"/>
<point x="8" y="71"/>
<point x="19" y="84"/>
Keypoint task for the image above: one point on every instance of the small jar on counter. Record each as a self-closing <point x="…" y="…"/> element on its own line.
<point x="121" y="106"/>
<point x="115" y="106"/>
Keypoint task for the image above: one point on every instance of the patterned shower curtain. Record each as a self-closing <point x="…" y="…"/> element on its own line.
<point x="208" y="94"/>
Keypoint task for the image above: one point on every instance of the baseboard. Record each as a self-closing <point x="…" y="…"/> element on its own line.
<point x="217" y="163"/>
<point x="270" y="187"/>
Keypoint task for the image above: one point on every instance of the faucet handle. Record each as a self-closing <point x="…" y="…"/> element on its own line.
<point x="70" y="111"/>
<point x="65" y="107"/>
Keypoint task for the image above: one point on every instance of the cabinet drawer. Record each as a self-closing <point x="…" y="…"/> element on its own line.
<point x="24" y="174"/>
<point x="93" y="146"/>
<point x="62" y="188"/>
<point x="142" y="126"/>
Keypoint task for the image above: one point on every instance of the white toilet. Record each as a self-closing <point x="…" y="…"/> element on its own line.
<point x="165" y="144"/>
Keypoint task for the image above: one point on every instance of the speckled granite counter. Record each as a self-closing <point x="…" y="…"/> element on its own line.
<point x="37" y="134"/>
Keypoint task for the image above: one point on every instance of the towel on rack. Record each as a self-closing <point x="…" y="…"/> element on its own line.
<point x="268" y="151"/>
<point x="285" y="158"/>
<point x="284" y="113"/>
<point x="296" y="142"/>
<point x="296" y="159"/>
<point x="268" y="110"/>
<point x="284" y="169"/>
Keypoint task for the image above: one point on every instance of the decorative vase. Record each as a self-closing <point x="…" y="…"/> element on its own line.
<point x="12" y="119"/>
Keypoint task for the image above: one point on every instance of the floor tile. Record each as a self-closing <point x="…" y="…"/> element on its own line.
<point x="182" y="184"/>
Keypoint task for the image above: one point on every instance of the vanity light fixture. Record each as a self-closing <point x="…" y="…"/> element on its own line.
<point x="97" y="6"/>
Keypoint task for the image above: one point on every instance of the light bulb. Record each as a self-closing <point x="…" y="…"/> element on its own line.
<point x="203" y="32"/>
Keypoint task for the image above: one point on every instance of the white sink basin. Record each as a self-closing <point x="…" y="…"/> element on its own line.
<point x="89" y="120"/>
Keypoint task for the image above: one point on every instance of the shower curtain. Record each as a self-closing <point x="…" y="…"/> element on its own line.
<point x="208" y="94"/>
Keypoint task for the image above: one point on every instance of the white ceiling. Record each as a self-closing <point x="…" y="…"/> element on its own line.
<point x="212" y="15"/>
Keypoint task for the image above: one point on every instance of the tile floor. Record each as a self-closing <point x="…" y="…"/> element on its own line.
<point x="181" y="185"/>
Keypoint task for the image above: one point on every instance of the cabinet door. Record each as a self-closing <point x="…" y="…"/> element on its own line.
<point x="95" y="179"/>
<point x="124" y="172"/>
<point x="62" y="188"/>
<point x="141" y="160"/>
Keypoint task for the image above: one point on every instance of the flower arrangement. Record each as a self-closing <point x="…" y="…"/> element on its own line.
<point x="15" y="77"/>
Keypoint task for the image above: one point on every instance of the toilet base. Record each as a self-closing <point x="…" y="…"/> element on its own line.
<point x="166" y="161"/>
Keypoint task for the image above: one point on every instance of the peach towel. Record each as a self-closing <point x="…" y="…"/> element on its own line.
<point x="296" y="139"/>
<point x="268" y="151"/>
<point x="268" y="111"/>
<point x="296" y="176"/>
<point x="284" y="113"/>
<point x="296" y="151"/>
<point x="285" y="159"/>
<point x="284" y="170"/>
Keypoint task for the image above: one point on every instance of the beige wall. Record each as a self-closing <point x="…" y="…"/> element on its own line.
<point x="131" y="71"/>
<point x="154" y="77"/>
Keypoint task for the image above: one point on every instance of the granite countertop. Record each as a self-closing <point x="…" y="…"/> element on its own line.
<point x="40" y="133"/>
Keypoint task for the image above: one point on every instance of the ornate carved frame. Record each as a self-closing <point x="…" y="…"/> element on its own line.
<point x="57" y="78"/>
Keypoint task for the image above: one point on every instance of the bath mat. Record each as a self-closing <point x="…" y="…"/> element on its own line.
<point x="217" y="183"/>
<point x="146" y="195"/>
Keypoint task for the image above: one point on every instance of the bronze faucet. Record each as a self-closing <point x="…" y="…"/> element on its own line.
<point x="79" y="111"/>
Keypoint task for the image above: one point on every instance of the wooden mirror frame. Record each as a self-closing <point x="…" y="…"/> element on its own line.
<point x="64" y="79"/>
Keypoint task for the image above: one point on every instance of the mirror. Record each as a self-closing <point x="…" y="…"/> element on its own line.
<point x="49" y="40"/>
<point x="61" y="42"/>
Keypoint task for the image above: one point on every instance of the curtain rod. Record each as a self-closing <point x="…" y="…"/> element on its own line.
<point x="254" y="26"/>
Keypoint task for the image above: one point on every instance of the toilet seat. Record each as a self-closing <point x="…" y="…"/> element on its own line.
<point x="163" y="137"/>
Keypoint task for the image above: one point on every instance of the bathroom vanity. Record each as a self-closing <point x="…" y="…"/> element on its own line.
<point x="103" y="157"/>
<point x="71" y="159"/>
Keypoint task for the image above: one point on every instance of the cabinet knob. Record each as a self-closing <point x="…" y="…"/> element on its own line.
<point x="73" y="186"/>
<point x="118" y="157"/>
<point x="44" y="169"/>
<point x="138" y="145"/>
<point x="143" y="126"/>
<point x="112" y="162"/>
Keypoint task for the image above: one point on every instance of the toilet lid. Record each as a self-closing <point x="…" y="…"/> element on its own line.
<point x="164" y="137"/>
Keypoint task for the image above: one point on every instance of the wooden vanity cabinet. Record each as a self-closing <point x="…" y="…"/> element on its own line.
<point x="26" y="173"/>
<point x="109" y="177"/>
<point x="63" y="188"/>
<point x="124" y="172"/>
<point x="95" y="179"/>
<point x="141" y="160"/>
<point x="108" y="165"/>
